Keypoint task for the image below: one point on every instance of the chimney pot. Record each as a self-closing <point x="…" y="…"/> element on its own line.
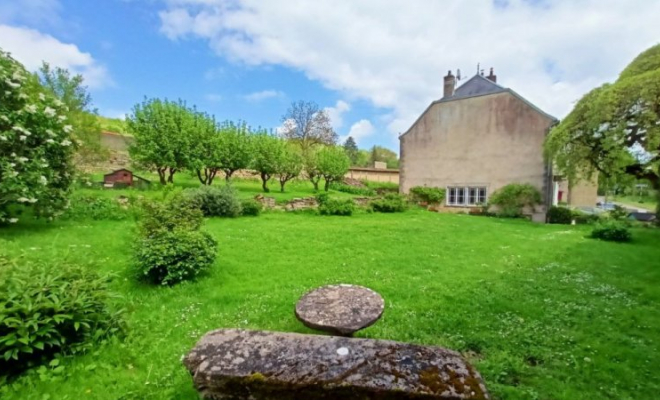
<point x="450" y="84"/>
<point x="492" y="76"/>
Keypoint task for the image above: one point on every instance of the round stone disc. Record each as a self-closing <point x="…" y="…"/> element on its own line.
<point x="340" y="309"/>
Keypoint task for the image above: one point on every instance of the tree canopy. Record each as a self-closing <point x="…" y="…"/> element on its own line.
<point x="307" y="125"/>
<point x="351" y="149"/>
<point x="615" y="128"/>
<point x="163" y="131"/>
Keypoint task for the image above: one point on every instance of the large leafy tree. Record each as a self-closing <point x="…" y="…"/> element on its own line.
<point x="267" y="155"/>
<point x="615" y="128"/>
<point x="307" y="125"/>
<point x="235" y="151"/>
<point x="289" y="165"/>
<point x="36" y="145"/>
<point x="80" y="113"/>
<point x="163" y="131"/>
<point x="351" y="149"/>
<point x="204" y="148"/>
<point x="332" y="164"/>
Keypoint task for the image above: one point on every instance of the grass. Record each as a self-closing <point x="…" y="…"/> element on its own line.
<point x="542" y="311"/>
<point x="646" y="202"/>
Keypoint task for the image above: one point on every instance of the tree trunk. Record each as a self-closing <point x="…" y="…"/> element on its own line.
<point x="327" y="184"/>
<point x="228" y="174"/>
<point x="199" y="176"/>
<point x="282" y="183"/>
<point x="170" y="178"/>
<point x="264" y="182"/>
<point x="161" y="175"/>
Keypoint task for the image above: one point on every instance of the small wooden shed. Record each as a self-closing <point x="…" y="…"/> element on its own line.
<point x="123" y="178"/>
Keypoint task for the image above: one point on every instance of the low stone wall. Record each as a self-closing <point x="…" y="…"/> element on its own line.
<point x="374" y="174"/>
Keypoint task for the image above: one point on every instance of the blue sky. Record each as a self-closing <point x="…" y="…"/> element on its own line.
<point x="374" y="64"/>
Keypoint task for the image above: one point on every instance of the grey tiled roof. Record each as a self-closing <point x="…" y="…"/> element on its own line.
<point x="476" y="86"/>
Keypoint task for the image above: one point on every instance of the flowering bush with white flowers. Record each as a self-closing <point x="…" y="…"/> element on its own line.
<point x="35" y="146"/>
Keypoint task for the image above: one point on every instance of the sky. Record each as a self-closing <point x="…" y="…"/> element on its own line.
<point x="374" y="65"/>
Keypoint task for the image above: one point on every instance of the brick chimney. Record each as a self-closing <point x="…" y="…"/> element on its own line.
<point x="492" y="76"/>
<point x="450" y="84"/>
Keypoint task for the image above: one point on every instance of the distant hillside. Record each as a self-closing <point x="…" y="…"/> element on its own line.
<point x="113" y="125"/>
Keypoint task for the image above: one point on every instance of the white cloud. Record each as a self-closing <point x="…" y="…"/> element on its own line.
<point x="31" y="47"/>
<point x="263" y="95"/>
<point x="359" y="130"/>
<point x="336" y="113"/>
<point x="44" y="12"/>
<point x="395" y="53"/>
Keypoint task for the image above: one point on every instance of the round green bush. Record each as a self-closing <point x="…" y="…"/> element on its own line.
<point x="428" y="194"/>
<point x="560" y="215"/>
<point x="391" y="203"/>
<point x="216" y="202"/>
<point x="513" y="198"/>
<point x="174" y="256"/>
<point x="50" y="308"/>
<point x="337" y="207"/>
<point x="251" y="208"/>
<point x="614" y="231"/>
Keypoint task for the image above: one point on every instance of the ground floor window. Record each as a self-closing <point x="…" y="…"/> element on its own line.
<point x="466" y="195"/>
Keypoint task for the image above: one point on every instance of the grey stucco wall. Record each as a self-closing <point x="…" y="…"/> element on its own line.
<point x="490" y="141"/>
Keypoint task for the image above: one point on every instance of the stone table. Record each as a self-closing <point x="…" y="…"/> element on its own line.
<point x="340" y="309"/>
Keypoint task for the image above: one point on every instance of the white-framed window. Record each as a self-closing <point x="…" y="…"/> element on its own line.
<point x="466" y="195"/>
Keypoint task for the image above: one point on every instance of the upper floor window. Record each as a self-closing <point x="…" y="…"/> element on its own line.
<point x="466" y="195"/>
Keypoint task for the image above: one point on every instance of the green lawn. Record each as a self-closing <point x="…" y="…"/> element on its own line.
<point x="542" y="311"/>
<point x="647" y="203"/>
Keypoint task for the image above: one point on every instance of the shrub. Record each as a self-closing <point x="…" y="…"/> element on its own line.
<point x="172" y="257"/>
<point x="392" y="202"/>
<point x="614" y="231"/>
<point x="251" y="207"/>
<point x="428" y="194"/>
<point x="360" y="191"/>
<point x="582" y="218"/>
<point x="560" y="215"/>
<point x="216" y="202"/>
<point x="619" y="213"/>
<point x="322" y="198"/>
<point x="97" y="208"/>
<point x="171" y="248"/>
<point x="50" y="308"/>
<point x="337" y="207"/>
<point x="36" y="145"/>
<point x="175" y="212"/>
<point x="512" y="198"/>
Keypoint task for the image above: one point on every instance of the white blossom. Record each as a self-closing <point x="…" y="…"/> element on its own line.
<point x="50" y="141"/>
<point x="50" y="133"/>
<point x="22" y="137"/>
<point x="13" y="220"/>
<point x="22" y="159"/>
<point x="22" y="96"/>
<point x="4" y="118"/>
<point x="58" y="102"/>
<point x="50" y="112"/>
<point x="43" y="180"/>
<point x="12" y="84"/>
<point x="17" y="76"/>
<point x="61" y="117"/>
<point x="67" y="128"/>
<point x="13" y="174"/>
<point x="66" y="142"/>
<point x="4" y="139"/>
<point x="32" y="200"/>
<point x="31" y="108"/>
<point x="22" y="199"/>
<point x="42" y="97"/>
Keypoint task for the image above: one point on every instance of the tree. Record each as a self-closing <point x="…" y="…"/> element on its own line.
<point x="235" y="152"/>
<point x="268" y="150"/>
<point x="162" y="132"/>
<point x="615" y="128"/>
<point x="36" y="145"/>
<point x="204" y="148"/>
<point x="379" y="153"/>
<point x="351" y="149"/>
<point x="306" y="124"/>
<point x="311" y="166"/>
<point x="79" y="111"/>
<point x="289" y="166"/>
<point x="332" y="164"/>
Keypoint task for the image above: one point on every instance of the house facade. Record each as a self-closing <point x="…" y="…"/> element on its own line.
<point x="478" y="138"/>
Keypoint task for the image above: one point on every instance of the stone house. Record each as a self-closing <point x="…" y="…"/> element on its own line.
<point x="478" y="138"/>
